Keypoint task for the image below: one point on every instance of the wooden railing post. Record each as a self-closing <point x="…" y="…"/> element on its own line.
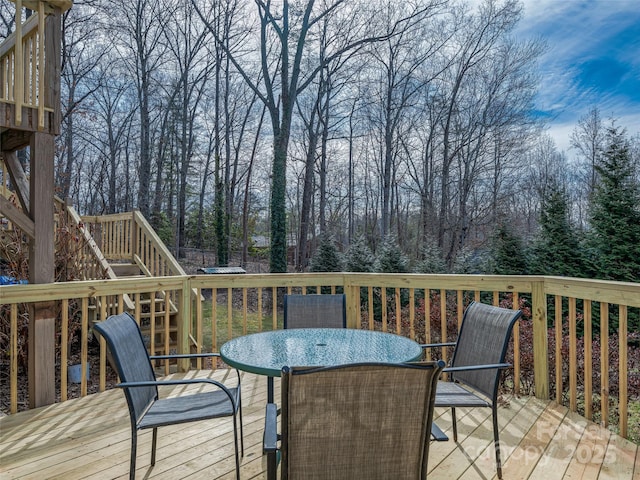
<point x="351" y="293"/>
<point x="540" y="341"/>
<point x="184" y="320"/>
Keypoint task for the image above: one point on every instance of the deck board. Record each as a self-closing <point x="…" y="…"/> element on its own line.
<point x="89" y="438"/>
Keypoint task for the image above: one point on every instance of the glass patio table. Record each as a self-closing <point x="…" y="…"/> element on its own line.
<point x="266" y="353"/>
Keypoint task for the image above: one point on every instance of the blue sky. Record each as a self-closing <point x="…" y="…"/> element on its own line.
<point x="593" y="59"/>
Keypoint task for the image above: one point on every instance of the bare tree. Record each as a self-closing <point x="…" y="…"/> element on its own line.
<point x="80" y="78"/>
<point x="587" y="139"/>
<point x="140" y="24"/>
<point x="286" y="30"/>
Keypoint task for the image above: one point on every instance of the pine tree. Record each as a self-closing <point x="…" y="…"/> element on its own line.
<point x="470" y="262"/>
<point x="556" y="250"/>
<point x="390" y="258"/>
<point x="432" y="259"/>
<point x="359" y="257"/>
<point x="326" y="258"/>
<point x="614" y="237"/>
<point x="508" y="255"/>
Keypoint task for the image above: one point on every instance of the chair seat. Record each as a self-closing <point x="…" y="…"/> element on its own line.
<point x="188" y="408"/>
<point x="450" y="394"/>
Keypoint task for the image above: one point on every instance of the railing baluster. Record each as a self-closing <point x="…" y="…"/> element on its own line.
<point x="412" y="313"/>
<point x="622" y="375"/>
<point x="64" y="343"/>
<point x="427" y="321"/>
<point x="516" y="347"/>
<point x="588" y="369"/>
<point x="370" y="303"/>
<point x="573" y="357"/>
<point x="259" y="309"/>
<point x="604" y="363"/>
<point x="398" y="312"/>
<point x="558" y="331"/>
<point x="383" y="301"/>
<point x="443" y="322"/>
<point x="244" y="311"/>
<point x="83" y="346"/>
<point x="13" y="358"/>
<point x="199" y="336"/>
<point x="167" y="330"/>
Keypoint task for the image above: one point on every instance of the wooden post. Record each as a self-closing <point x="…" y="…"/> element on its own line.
<point x="540" y="355"/>
<point x="41" y="270"/>
<point x="185" y="323"/>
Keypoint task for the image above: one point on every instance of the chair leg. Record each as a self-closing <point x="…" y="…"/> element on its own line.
<point x="496" y="440"/>
<point x="241" y="431"/>
<point x="454" y="424"/>
<point x="235" y="444"/>
<point x="134" y="444"/>
<point x="154" y="441"/>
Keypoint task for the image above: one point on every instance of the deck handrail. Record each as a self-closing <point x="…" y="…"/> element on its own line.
<point x="396" y="303"/>
<point x="129" y="236"/>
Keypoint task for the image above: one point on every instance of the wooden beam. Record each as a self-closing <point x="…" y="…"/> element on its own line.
<point x="41" y="270"/>
<point x="14" y="138"/>
<point x="64" y="5"/>
<point x="15" y="216"/>
<point x="18" y="178"/>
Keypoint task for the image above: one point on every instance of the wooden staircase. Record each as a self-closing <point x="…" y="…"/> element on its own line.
<point x="156" y="309"/>
<point x="112" y="246"/>
<point x="130" y="248"/>
<point x="133" y="250"/>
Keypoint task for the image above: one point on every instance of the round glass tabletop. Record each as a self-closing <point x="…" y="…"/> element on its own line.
<point x="266" y="353"/>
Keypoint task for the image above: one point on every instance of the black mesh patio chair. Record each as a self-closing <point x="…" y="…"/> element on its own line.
<point x="315" y="311"/>
<point x="140" y="386"/>
<point x="368" y="421"/>
<point x="477" y="362"/>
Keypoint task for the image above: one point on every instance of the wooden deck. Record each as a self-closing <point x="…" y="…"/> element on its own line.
<point x="89" y="438"/>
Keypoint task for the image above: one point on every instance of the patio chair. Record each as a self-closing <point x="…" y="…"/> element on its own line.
<point x="477" y="362"/>
<point x="146" y="409"/>
<point x="315" y="311"/>
<point x="368" y="421"/>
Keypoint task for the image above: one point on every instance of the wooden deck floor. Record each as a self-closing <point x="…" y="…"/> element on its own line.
<point x="89" y="438"/>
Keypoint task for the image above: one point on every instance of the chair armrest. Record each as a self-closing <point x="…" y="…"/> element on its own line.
<point x="270" y="441"/>
<point x="234" y="398"/>
<point x="184" y="355"/>
<point x="467" y="368"/>
<point x="436" y="345"/>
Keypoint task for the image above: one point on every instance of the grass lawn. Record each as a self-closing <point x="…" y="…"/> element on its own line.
<point x="236" y="327"/>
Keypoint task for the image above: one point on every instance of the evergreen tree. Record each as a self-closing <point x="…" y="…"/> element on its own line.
<point x="507" y="252"/>
<point x="614" y="237"/>
<point x="432" y="259"/>
<point x="470" y="262"/>
<point x="390" y="258"/>
<point x="359" y="257"/>
<point x="556" y="250"/>
<point x="326" y="258"/>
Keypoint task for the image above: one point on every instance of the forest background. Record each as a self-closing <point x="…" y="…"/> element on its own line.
<point x="274" y="128"/>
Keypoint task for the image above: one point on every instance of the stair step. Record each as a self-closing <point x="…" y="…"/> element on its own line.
<point x="126" y="269"/>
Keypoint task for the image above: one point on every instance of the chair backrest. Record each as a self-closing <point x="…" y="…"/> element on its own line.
<point x="483" y="340"/>
<point x="368" y="421"/>
<point x="131" y="359"/>
<point x="315" y="311"/>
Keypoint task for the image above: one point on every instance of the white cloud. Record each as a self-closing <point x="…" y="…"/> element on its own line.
<point x="593" y="59"/>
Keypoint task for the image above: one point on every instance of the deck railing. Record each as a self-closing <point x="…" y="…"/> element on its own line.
<point x="129" y="237"/>
<point x="425" y="307"/>
<point x="30" y="64"/>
